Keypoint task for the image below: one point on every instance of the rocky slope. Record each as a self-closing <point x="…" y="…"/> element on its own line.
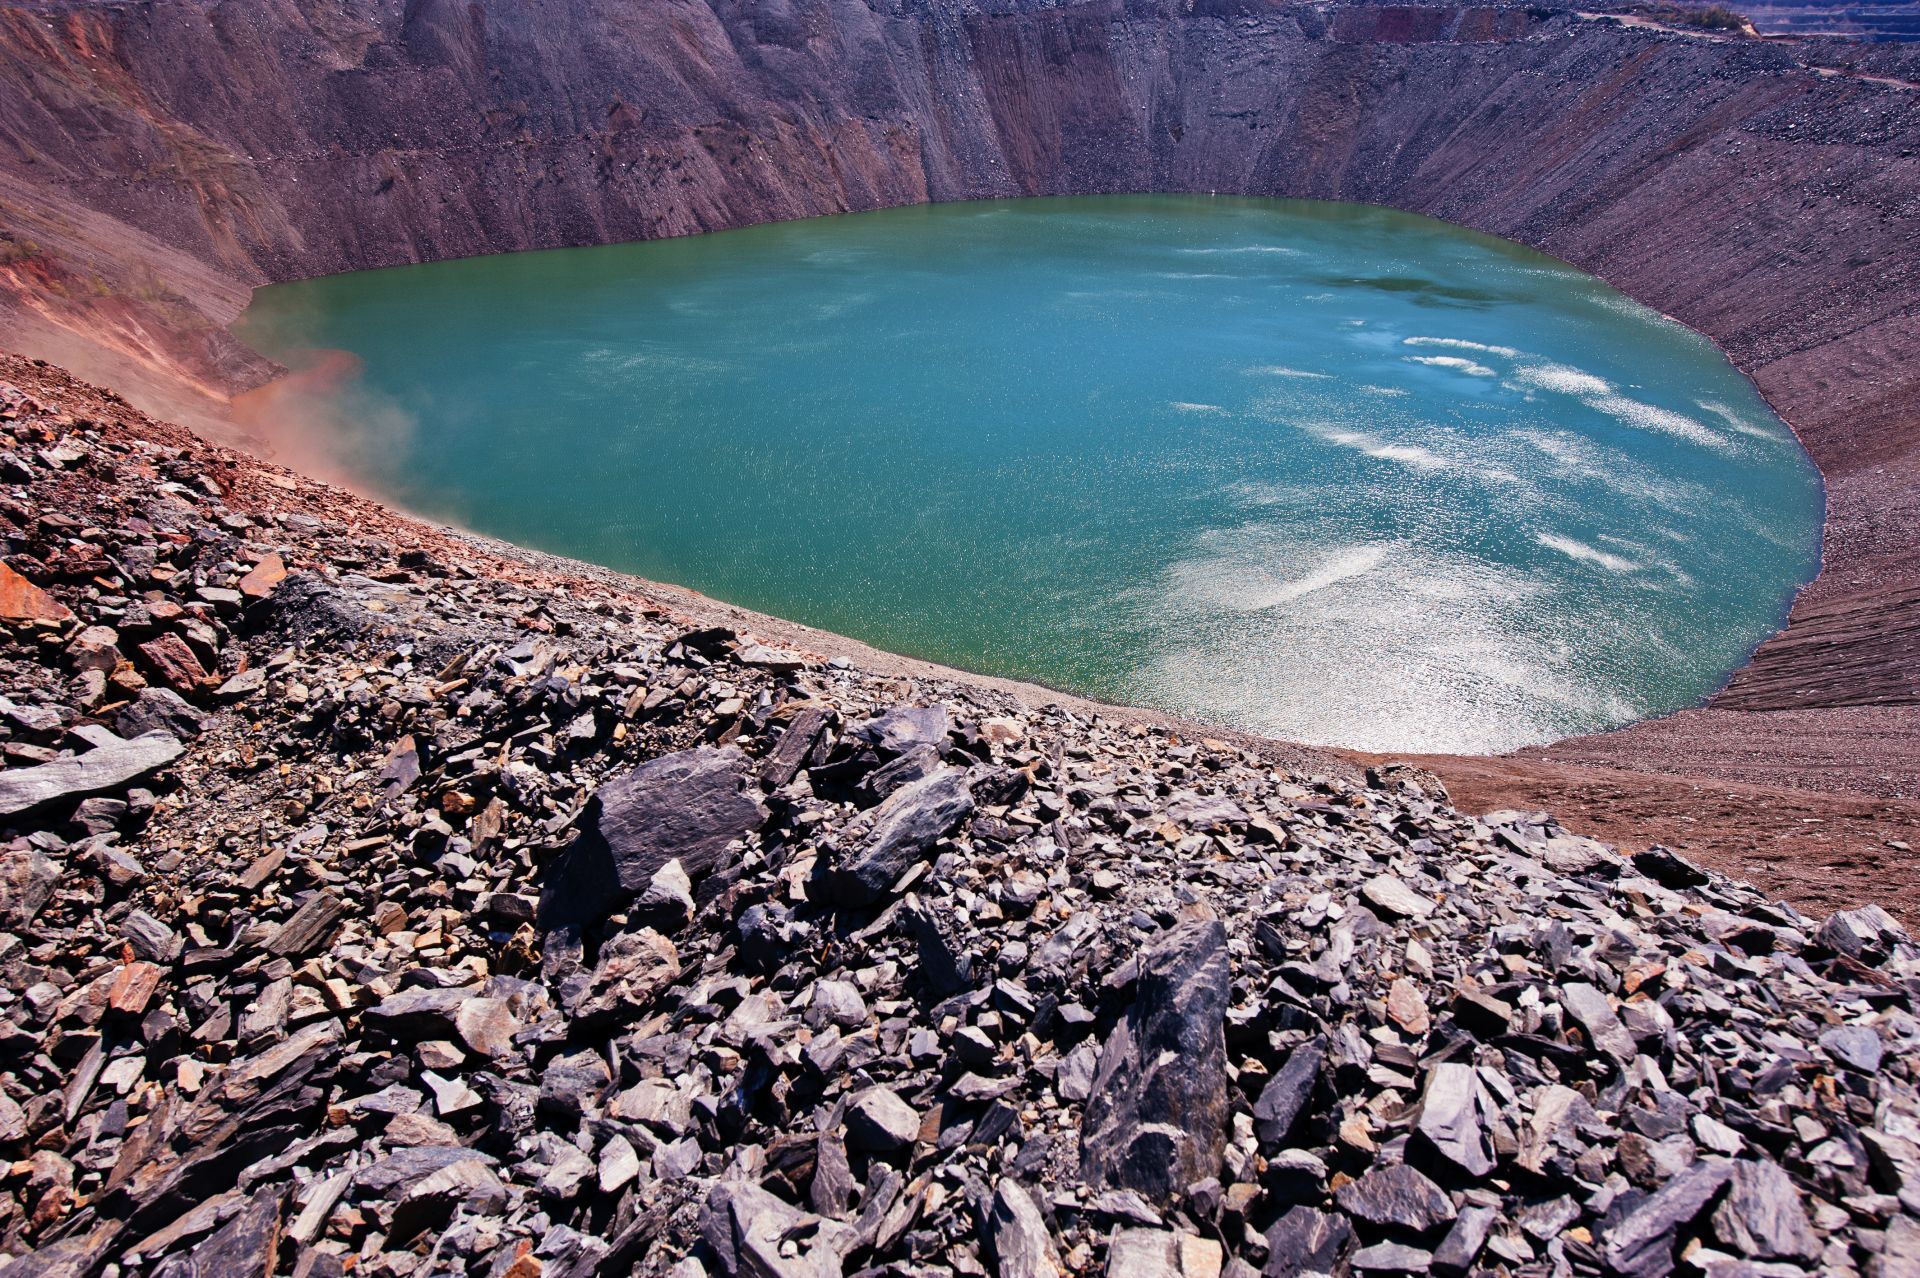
<point x="376" y="899"/>
<point x="157" y="160"/>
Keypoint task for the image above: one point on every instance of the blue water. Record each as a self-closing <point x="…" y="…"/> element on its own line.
<point x="1323" y="471"/>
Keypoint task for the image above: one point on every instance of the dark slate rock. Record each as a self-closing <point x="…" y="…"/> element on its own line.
<point x="159" y="710"/>
<point x="1854" y="1046"/>
<point x="1288" y="1093"/>
<point x="1017" y="1236"/>
<point x="1305" y="1241"/>
<point x="1668" y="870"/>
<point x="391" y="1177"/>
<point x="1642" y="1244"/>
<point x="901" y="729"/>
<point x="687" y="806"/>
<point x="1156" y="1121"/>
<point x="1461" y="1247"/>
<point x="1396" y="1196"/>
<point x="909" y="823"/>
<point x="1391" y="1258"/>
<point x="1763" y="1216"/>
<point x="107" y="766"/>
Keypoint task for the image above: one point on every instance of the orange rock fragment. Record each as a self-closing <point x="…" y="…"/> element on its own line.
<point x="174" y="663"/>
<point x="22" y="601"/>
<point x="132" y="987"/>
<point x="268" y="573"/>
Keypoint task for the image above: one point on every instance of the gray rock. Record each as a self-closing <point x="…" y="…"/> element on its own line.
<point x="105" y="767"/>
<point x="1461" y="1247"/>
<point x="1451" y="1121"/>
<point x="1395" y="898"/>
<point x="912" y="819"/>
<point x="1642" y="1244"/>
<point x="753" y="1233"/>
<point x="879" y="1120"/>
<point x="1305" y="1241"/>
<point x="1017" y="1236"/>
<point x="1593" y="1012"/>
<point x="1763" y="1217"/>
<point x="1288" y="1093"/>
<point x="159" y="710"/>
<point x="1156" y="1122"/>
<point x="1392" y="1258"/>
<point x="1398" y="1196"/>
<point x="902" y="728"/>
<point x="27" y="879"/>
<point x="686" y="807"/>
<point x="1854" y="1046"/>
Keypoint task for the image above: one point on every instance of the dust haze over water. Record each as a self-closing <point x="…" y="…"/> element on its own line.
<point x="1328" y="472"/>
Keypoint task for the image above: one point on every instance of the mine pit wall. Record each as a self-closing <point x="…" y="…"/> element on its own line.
<point x="165" y="157"/>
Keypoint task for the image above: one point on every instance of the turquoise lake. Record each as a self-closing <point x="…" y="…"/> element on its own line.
<point x="1327" y="472"/>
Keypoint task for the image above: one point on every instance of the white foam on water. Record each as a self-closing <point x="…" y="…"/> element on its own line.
<point x="1580" y="550"/>
<point x="1391" y="391"/>
<point x="1187" y="406"/>
<point x="1744" y="426"/>
<point x="1462" y="344"/>
<point x="1457" y="363"/>
<point x="1281" y="370"/>
<point x="1242" y="248"/>
<point x="1383" y="450"/>
<point x="1664" y="420"/>
<point x="1342" y="565"/>
<point x="1563" y="378"/>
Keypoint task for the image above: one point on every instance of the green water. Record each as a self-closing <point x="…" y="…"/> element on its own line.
<point x="1323" y="471"/>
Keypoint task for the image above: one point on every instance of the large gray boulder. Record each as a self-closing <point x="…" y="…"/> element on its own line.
<point x="687" y="807"/>
<point x="1157" y="1118"/>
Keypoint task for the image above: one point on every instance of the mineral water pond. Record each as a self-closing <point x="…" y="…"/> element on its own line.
<point x="1320" y="471"/>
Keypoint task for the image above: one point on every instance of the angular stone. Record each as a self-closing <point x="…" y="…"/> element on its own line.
<point x="1450" y="1118"/>
<point x="1462" y="1245"/>
<point x="1593" y="1011"/>
<point x="1642" y="1244"/>
<point x="310" y="927"/>
<point x="879" y="1120"/>
<point x="912" y="819"/>
<point x="22" y="602"/>
<point x="1143" y="1253"/>
<point x="1397" y="1196"/>
<point x="1156" y="1122"/>
<point x="686" y="807"/>
<point x="1763" y="1216"/>
<point x="1305" y="1241"/>
<point x="1395" y="898"/>
<point x="902" y="728"/>
<point x="260" y="580"/>
<point x="753" y="1233"/>
<point x="1289" y="1093"/>
<point x="1017" y="1235"/>
<point x="1854" y="1046"/>
<point x="159" y="710"/>
<point x="169" y="659"/>
<point x="27" y="879"/>
<point x="104" y="768"/>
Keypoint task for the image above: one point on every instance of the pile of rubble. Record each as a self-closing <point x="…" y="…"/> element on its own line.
<point x="371" y="903"/>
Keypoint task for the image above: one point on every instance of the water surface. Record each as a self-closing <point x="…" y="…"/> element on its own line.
<point x="1329" y="472"/>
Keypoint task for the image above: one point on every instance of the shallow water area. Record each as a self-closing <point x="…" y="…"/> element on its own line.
<point x="1328" y="472"/>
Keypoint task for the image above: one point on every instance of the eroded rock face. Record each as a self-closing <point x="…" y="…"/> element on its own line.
<point x="1157" y="1117"/>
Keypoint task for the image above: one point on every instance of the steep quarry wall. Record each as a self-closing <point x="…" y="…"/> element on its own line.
<point x="159" y="159"/>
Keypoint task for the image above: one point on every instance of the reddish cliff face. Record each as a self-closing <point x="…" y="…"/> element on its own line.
<point x="157" y="160"/>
